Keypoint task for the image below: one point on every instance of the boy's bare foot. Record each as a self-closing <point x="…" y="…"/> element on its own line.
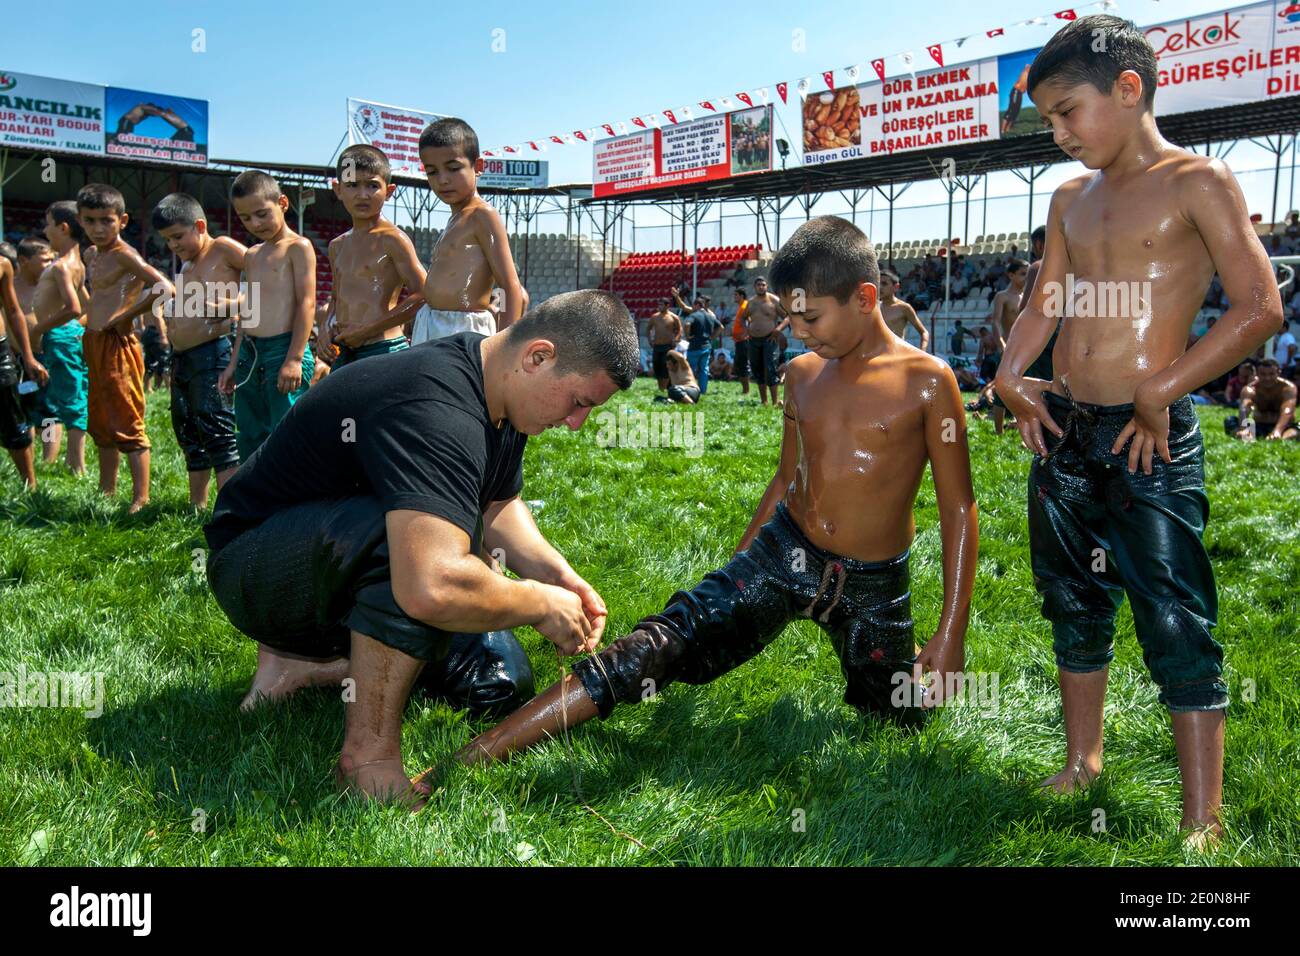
<point x="278" y="676"/>
<point x="384" y="780"/>
<point x="1202" y="837"/>
<point x="1075" y="777"/>
<point x="137" y="505"/>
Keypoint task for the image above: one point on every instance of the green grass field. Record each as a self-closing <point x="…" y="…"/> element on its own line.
<point x="173" y="774"/>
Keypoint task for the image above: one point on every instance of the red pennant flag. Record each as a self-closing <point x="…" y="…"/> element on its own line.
<point x="744" y="98"/>
<point x="936" y="52"/>
<point x="638" y="121"/>
<point x="994" y="33"/>
<point x="879" y="67"/>
<point x="580" y="134"/>
<point x="487" y="153"/>
<point x="707" y="105"/>
<point x="1066" y="15"/>
<point x="608" y="129"/>
<point x="829" y="77"/>
<point x="780" y="88"/>
<point x="671" y="117"/>
<point x="510" y="149"/>
<point x="558" y="139"/>
<point x="534" y="146"/>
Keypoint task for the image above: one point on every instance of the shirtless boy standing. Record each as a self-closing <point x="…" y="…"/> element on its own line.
<point x="122" y="286"/>
<point x="1272" y="400"/>
<point x="1006" y="306"/>
<point x="898" y="315"/>
<point x="767" y="316"/>
<point x="30" y="258"/>
<point x="859" y="395"/>
<point x="272" y="365"/>
<point x="371" y="263"/>
<point x="472" y="255"/>
<point x="15" y="434"/>
<point x="1117" y="494"/>
<point x="60" y="305"/>
<point x="200" y="322"/>
<point x="665" y="332"/>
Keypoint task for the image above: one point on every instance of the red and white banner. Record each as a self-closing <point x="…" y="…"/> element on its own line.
<point x="716" y="147"/>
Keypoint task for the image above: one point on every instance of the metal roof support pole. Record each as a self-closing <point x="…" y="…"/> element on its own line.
<point x="1034" y="173"/>
<point x="1291" y="201"/>
<point x="1277" y="147"/>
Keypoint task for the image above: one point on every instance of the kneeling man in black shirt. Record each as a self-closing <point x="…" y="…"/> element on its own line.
<point x="353" y="543"/>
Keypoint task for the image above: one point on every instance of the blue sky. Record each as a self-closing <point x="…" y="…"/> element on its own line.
<point x="277" y="82"/>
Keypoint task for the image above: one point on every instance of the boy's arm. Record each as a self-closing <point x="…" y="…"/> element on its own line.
<point x="785" y="316"/>
<point x="1216" y="208"/>
<point x="302" y="257"/>
<point x="945" y="443"/>
<point x="1287" y="414"/>
<point x="156" y="287"/>
<point x="496" y="244"/>
<point x="235" y="255"/>
<point x="785" y="469"/>
<point x="17" y="324"/>
<point x="915" y="321"/>
<point x="1029" y="336"/>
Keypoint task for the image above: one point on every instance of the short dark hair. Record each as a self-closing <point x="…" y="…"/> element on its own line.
<point x="825" y="256"/>
<point x="592" y="331"/>
<point x="452" y="132"/>
<point x="891" y="274"/>
<point x="255" y="183"/>
<point x="1271" y="362"/>
<point x="1038" y="235"/>
<point x="64" y="213"/>
<point x="364" y="158"/>
<point x="31" y="246"/>
<point x="1016" y="264"/>
<point x="100" y="196"/>
<point x="7" y="251"/>
<point x="177" y="209"/>
<point x="1096" y="49"/>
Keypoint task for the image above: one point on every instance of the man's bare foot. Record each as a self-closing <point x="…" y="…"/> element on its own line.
<point x="279" y="676"/>
<point x="384" y="780"/>
<point x="1075" y="777"/>
<point x="137" y="505"/>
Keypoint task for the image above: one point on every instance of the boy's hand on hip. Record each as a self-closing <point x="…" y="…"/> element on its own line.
<point x="290" y="379"/>
<point x="1149" y="431"/>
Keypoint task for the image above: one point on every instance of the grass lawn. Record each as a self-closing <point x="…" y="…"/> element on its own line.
<point x="764" y="766"/>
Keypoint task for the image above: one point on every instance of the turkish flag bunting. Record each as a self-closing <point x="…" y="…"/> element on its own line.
<point x="608" y="128"/>
<point x="638" y="121"/>
<point x="829" y="77"/>
<point x="994" y="33"/>
<point x="879" y="67"/>
<point x="671" y="117"/>
<point x="1066" y="15"/>
<point x="707" y="105"/>
<point x="936" y="52"/>
<point x="744" y="98"/>
<point x="580" y="134"/>
<point x="558" y="139"/>
<point x="780" y="88"/>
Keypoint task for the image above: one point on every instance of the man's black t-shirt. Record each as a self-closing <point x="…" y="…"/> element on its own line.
<point x="410" y="428"/>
